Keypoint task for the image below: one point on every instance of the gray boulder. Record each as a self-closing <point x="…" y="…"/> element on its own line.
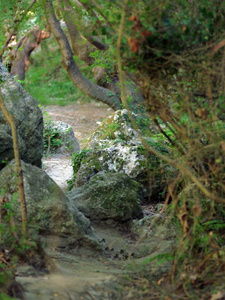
<point x="47" y="205"/>
<point x="108" y="196"/>
<point x="29" y="122"/>
<point x="64" y="132"/>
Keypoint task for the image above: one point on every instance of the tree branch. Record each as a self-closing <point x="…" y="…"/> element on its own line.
<point x="89" y="88"/>
<point x="17" y="22"/>
<point x="183" y="168"/>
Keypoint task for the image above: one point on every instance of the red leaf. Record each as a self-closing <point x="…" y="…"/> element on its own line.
<point x="134" y="44"/>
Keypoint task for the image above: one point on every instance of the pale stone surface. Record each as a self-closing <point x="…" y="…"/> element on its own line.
<point x="59" y="168"/>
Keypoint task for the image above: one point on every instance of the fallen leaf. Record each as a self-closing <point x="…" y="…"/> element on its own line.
<point x="197" y="210"/>
<point x="133" y="18"/>
<point x="145" y="33"/>
<point x="202" y="113"/>
<point x="160" y="281"/>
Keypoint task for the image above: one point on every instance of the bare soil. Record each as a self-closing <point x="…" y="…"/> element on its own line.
<point x="81" y="117"/>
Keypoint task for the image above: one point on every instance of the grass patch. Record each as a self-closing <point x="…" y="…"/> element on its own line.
<point x="47" y="81"/>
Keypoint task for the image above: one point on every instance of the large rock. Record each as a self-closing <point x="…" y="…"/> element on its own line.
<point x="29" y="122"/>
<point x="64" y="133"/>
<point x="108" y="196"/>
<point x="116" y="147"/>
<point x="47" y="205"/>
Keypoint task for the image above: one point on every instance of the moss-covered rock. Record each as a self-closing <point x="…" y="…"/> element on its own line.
<point x="108" y="196"/>
<point x="116" y="147"/>
<point x="47" y="205"/>
<point x="59" y="138"/>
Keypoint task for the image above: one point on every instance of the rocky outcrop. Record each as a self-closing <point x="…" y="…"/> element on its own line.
<point x="116" y="147"/>
<point x="108" y="196"/>
<point x="28" y="118"/>
<point x="47" y="205"/>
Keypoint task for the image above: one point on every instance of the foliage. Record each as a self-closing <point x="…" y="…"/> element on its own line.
<point x="12" y="245"/>
<point x="174" y="52"/>
<point x="105" y="60"/>
<point x="77" y="159"/>
<point x="51" y="136"/>
<point x="48" y="82"/>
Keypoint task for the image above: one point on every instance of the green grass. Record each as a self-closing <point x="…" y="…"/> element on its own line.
<point x="47" y="81"/>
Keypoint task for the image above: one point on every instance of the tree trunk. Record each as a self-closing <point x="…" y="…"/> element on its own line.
<point x="21" y="55"/>
<point x="83" y="46"/>
<point x="79" y="44"/>
<point x="89" y="88"/>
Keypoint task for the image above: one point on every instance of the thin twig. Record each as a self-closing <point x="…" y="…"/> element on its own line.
<point x="10" y="119"/>
<point x="175" y="163"/>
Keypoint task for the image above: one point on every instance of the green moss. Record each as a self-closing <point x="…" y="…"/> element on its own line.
<point x="110" y="195"/>
<point x="109" y="130"/>
<point x="77" y="159"/>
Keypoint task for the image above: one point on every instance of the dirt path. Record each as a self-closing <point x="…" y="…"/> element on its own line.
<point x="84" y="119"/>
<point x="85" y="274"/>
<point x="92" y="275"/>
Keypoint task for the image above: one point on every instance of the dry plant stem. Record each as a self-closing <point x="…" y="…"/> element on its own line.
<point x="174" y="143"/>
<point x="184" y="168"/>
<point x="10" y="119"/>
<point x="12" y="224"/>
<point x="17" y="22"/>
<point x="4" y="261"/>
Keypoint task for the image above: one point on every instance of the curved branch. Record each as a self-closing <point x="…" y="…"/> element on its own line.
<point x="80" y="46"/>
<point x="89" y="88"/>
<point x="94" y="40"/>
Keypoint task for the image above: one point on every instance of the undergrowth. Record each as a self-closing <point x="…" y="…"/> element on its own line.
<point x="76" y="161"/>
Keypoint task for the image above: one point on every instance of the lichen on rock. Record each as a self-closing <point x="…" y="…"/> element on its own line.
<point x="116" y="147"/>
